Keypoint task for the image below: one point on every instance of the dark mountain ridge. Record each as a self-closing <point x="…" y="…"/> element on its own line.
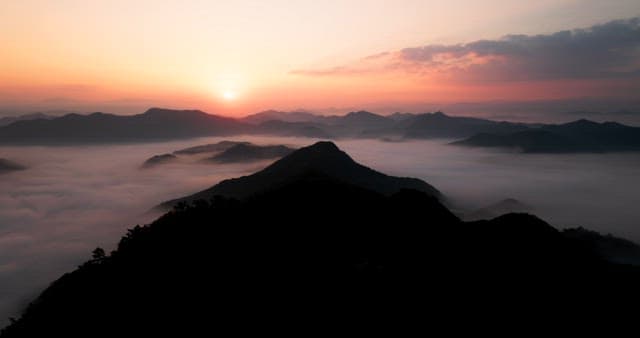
<point x="285" y="128"/>
<point x="577" y="136"/>
<point x="34" y="116"/>
<point x="163" y="124"/>
<point x="316" y="245"/>
<point x="154" y="124"/>
<point x="270" y="115"/>
<point x="440" y="125"/>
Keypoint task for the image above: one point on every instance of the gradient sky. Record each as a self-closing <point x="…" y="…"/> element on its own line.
<point x="125" y="56"/>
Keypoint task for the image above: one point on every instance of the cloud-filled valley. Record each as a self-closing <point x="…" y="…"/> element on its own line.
<point x="72" y="199"/>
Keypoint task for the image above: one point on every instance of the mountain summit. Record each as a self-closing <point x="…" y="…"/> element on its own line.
<point x="320" y="160"/>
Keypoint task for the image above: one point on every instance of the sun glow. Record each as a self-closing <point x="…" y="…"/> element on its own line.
<point x="229" y="95"/>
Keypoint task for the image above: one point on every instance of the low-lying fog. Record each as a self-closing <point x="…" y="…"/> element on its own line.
<point x="72" y="199"/>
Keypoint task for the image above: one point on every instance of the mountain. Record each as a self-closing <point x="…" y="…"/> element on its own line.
<point x="270" y="115"/>
<point x="155" y="124"/>
<point x="313" y="246"/>
<point x="11" y="119"/>
<point x="363" y="119"/>
<point x="440" y="125"/>
<point x="250" y="152"/>
<point x="362" y="124"/>
<point x="209" y="148"/>
<point x="284" y="128"/>
<point x="398" y="116"/>
<point x="9" y="166"/>
<point x="158" y="160"/>
<point x="506" y="206"/>
<point x="609" y="247"/>
<point x="353" y="124"/>
<point x="322" y="158"/>
<point x="224" y="152"/>
<point x="163" y="124"/>
<point x="578" y="136"/>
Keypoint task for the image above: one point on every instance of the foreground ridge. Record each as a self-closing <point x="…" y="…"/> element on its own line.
<point x="311" y="244"/>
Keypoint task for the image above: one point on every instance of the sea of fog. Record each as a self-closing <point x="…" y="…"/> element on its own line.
<point x="73" y="199"/>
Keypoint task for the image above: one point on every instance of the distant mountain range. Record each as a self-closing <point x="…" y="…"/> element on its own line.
<point x="11" y="119"/>
<point x="318" y="234"/>
<point x="163" y="124"/>
<point x="579" y="136"/>
<point x="153" y="125"/>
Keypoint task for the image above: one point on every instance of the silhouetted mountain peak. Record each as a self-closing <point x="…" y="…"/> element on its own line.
<point x="364" y="117"/>
<point x="582" y="123"/>
<point x="321" y="151"/>
<point x="323" y="146"/>
<point x="322" y="158"/>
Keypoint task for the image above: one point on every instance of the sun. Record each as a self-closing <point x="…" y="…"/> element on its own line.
<point x="229" y="95"/>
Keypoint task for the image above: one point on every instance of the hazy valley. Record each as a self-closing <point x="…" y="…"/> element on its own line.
<point x="189" y="168"/>
<point x="74" y="198"/>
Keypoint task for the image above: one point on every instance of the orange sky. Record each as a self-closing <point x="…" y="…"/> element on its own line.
<point x="124" y="56"/>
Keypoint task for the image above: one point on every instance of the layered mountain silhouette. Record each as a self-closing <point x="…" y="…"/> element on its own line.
<point x="164" y="124"/>
<point x="11" y="119"/>
<point x="310" y="236"/>
<point x="505" y="206"/>
<point x="321" y="159"/>
<point x="9" y="166"/>
<point x="209" y="148"/>
<point x="578" y="136"/>
<point x="440" y="125"/>
<point x="285" y="128"/>
<point x="222" y="152"/>
<point x="154" y="124"/>
<point x="250" y="153"/>
<point x="275" y="115"/>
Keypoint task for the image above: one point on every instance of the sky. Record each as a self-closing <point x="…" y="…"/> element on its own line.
<point x="239" y="57"/>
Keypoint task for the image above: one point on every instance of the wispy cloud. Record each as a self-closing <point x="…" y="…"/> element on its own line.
<point x="610" y="50"/>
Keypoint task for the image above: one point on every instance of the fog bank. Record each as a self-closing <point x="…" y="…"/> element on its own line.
<point x="72" y="199"/>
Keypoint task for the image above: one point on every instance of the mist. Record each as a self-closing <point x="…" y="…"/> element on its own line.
<point x="73" y="199"/>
